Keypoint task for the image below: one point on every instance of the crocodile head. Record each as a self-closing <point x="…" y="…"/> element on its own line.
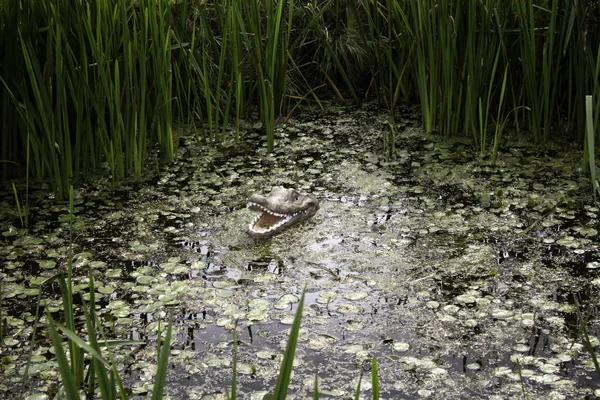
<point x="280" y="209"/>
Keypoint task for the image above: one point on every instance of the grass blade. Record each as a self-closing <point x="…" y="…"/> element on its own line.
<point x="591" y="156"/>
<point x="68" y="377"/>
<point x="285" y="371"/>
<point x="163" y="362"/>
<point x="374" y="380"/>
<point x="357" y="392"/>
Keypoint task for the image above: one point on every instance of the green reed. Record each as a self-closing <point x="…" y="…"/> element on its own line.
<point x="482" y="34"/>
<point x="235" y="56"/>
<point x="285" y="370"/>
<point x="11" y="73"/>
<point x="434" y="26"/>
<point x="238" y="77"/>
<point x="45" y="117"/>
<point x="380" y="27"/>
<point x="2" y="325"/>
<point x="332" y="46"/>
<point x="450" y="102"/>
<point x="357" y="391"/>
<point x="233" y="393"/>
<point x="375" y="379"/>
<point x="102" y="373"/>
<point x="268" y="40"/>
<point x="425" y="25"/>
<point x="583" y="333"/>
<point x="539" y="69"/>
<point x="386" y="28"/>
<point x="163" y="361"/>
<point x="589" y="155"/>
<point x="21" y="212"/>
<point x="104" y="80"/>
<point x="75" y="363"/>
<point x="211" y="61"/>
<point x="98" y="85"/>
<point x="188" y="103"/>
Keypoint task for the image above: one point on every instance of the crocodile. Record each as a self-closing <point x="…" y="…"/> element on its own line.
<point x="279" y="210"/>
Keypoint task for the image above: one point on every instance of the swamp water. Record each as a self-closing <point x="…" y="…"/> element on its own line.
<point x="457" y="274"/>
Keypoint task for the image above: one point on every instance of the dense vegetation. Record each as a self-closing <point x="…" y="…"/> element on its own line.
<point x="87" y="84"/>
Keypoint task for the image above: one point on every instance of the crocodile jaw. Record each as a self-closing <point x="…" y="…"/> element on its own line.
<point x="266" y="221"/>
<point x="280" y="209"/>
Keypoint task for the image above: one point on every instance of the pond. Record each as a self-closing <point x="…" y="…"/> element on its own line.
<point x="463" y="277"/>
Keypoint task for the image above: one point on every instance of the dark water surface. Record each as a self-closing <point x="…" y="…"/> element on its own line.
<point x="461" y="276"/>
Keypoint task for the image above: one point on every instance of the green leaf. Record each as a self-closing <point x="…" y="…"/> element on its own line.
<point x="374" y="380"/>
<point x="68" y="378"/>
<point x="285" y="371"/>
<point x="163" y="363"/>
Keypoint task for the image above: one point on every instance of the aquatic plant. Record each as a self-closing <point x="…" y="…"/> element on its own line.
<point x="583" y="332"/>
<point x="285" y="371"/>
<point x="374" y="379"/>
<point x="72" y="368"/>
<point x="109" y="384"/>
<point x="589" y="153"/>
<point x="100" y="86"/>
<point x="22" y="211"/>
<point x="145" y="243"/>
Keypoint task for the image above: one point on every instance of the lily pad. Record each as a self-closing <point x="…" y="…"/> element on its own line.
<point x="593" y="265"/>
<point x="465" y="298"/>
<point x="47" y="264"/>
<point x="359" y="295"/>
<point x="400" y="346"/>
<point x="145" y="279"/>
<point x="286" y="301"/>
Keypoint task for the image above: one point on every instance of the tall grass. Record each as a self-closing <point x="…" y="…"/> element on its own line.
<point x="11" y="72"/>
<point x="102" y="372"/>
<point x="538" y="51"/>
<point x="331" y="47"/>
<point x="482" y="54"/>
<point x="387" y="27"/>
<point x="93" y="82"/>
<point x="583" y="332"/>
<point x="589" y="156"/>
<point x="235" y="52"/>
<point x="269" y="40"/>
<point x="22" y="209"/>
<point x="536" y="44"/>
<point x="99" y="85"/>
<point x="425" y="26"/>
<point x="104" y="377"/>
<point x="285" y="371"/>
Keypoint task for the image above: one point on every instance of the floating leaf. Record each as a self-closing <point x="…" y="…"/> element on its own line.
<point x="400" y="346"/>
<point x="359" y="295"/>
<point x="465" y="298"/>
<point x="47" y="264"/>
<point x="145" y="279"/>
<point x="286" y="301"/>
<point x="593" y="265"/>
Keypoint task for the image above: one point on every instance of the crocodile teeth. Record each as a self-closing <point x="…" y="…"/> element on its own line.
<point x="267" y="221"/>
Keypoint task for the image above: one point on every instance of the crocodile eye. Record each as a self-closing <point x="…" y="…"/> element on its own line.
<point x="296" y="198"/>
